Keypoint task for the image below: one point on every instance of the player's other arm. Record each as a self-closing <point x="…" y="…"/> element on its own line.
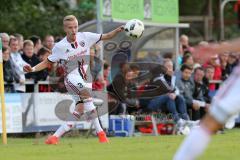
<point x="111" y="34"/>
<point x="44" y="64"/>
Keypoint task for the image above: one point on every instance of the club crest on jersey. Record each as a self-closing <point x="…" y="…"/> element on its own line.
<point x="82" y="43"/>
<point x="67" y="51"/>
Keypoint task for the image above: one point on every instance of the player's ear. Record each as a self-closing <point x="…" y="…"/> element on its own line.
<point x="64" y="28"/>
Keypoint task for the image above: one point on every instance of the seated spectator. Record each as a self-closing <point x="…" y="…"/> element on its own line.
<point x="209" y="73"/>
<point x="188" y="60"/>
<point x="200" y="94"/>
<point x="223" y="63"/>
<point x="119" y="88"/>
<point x="184" y="48"/>
<point x="186" y="88"/>
<point x="9" y="74"/>
<point x="172" y="102"/>
<point x="231" y="63"/>
<point x="215" y="62"/>
<point x="18" y="65"/>
<point x="106" y="71"/>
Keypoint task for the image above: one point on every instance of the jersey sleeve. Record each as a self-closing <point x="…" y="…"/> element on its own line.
<point x="54" y="57"/>
<point x="93" y="38"/>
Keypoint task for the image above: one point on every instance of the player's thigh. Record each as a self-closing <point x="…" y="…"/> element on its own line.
<point x="227" y="102"/>
<point x="76" y="85"/>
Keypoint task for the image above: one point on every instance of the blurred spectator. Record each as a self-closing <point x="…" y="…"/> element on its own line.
<point x="231" y="63"/>
<point x="106" y="72"/>
<point x="5" y="39"/>
<point x="118" y="87"/>
<point x="188" y="60"/>
<point x="31" y="58"/>
<point x="200" y="94"/>
<point x="203" y="43"/>
<point x="186" y="88"/>
<point x="9" y="73"/>
<point x="37" y="43"/>
<point x="168" y="55"/>
<point x="20" y="40"/>
<point x="215" y="62"/>
<point x="18" y="64"/>
<point x="48" y="41"/>
<point x="172" y="102"/>
<point x="42" y="55"/>
<point x="223" y="63"/>
<point x="184" y="47"/>
<point x="95" y="61"/>
<point x="209" y="73"/>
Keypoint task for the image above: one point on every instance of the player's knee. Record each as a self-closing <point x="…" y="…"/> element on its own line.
<point x="219" y="113"/>
<point x="210" y="123"/>
<point x="69" y="125"/>
<point x="79" y="107"/>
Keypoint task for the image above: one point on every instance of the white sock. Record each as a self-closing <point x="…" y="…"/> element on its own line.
<point x="89" y="106"/>
<point x="193" y="145"/>
<point x="67" y="125"/>
<point x="97" y="125"/>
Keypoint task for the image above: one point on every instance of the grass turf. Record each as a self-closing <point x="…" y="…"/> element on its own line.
<point x="225" y="146"/>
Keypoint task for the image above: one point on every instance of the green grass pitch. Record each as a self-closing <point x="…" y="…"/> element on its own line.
<point x="223" y="147"/>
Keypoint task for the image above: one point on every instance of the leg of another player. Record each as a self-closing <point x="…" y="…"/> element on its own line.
<point x="196" y="142"/>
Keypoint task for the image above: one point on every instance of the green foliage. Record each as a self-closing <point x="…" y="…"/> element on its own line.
<point x="192" y="7"/>
<point x="41" y="17"/>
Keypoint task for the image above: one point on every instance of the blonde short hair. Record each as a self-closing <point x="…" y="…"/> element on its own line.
<point x="28" y="43"/>
<point x="69" y="18"/>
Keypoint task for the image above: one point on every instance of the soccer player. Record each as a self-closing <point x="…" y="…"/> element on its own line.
<point x="76" y="45"/>
<point x="225" y="104"/>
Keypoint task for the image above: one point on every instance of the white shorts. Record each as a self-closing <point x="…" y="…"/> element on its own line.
<point x="75" y="84"/>
<point x="226" y="103"/>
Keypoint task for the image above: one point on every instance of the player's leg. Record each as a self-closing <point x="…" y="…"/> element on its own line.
<point x="225" y="104"/>
<point x="68" y="125"/>
<point x="90" y="110"/>
<point x="76" y="85"/>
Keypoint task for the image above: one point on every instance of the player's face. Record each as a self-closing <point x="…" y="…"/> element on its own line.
<point x="71" y="29"/>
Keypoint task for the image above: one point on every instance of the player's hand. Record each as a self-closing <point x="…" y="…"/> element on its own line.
<point x="172" y="96"/>
<point x="21" y="81"/>
<point x="195" y="106"/>
<point x="120" y="28"/>
<point x="204" y="53"/>
<point x="27" y="68"/>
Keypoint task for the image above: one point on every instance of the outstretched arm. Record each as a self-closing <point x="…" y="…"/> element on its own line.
<point x="203" y="53"/>
<point x="112" y="33"/>
<point x="44" y="64"/>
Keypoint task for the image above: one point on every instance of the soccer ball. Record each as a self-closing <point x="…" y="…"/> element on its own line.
<point x="134" y="28"/>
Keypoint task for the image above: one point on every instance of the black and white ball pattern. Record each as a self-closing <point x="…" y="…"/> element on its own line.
<point x="134" y="28"/>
